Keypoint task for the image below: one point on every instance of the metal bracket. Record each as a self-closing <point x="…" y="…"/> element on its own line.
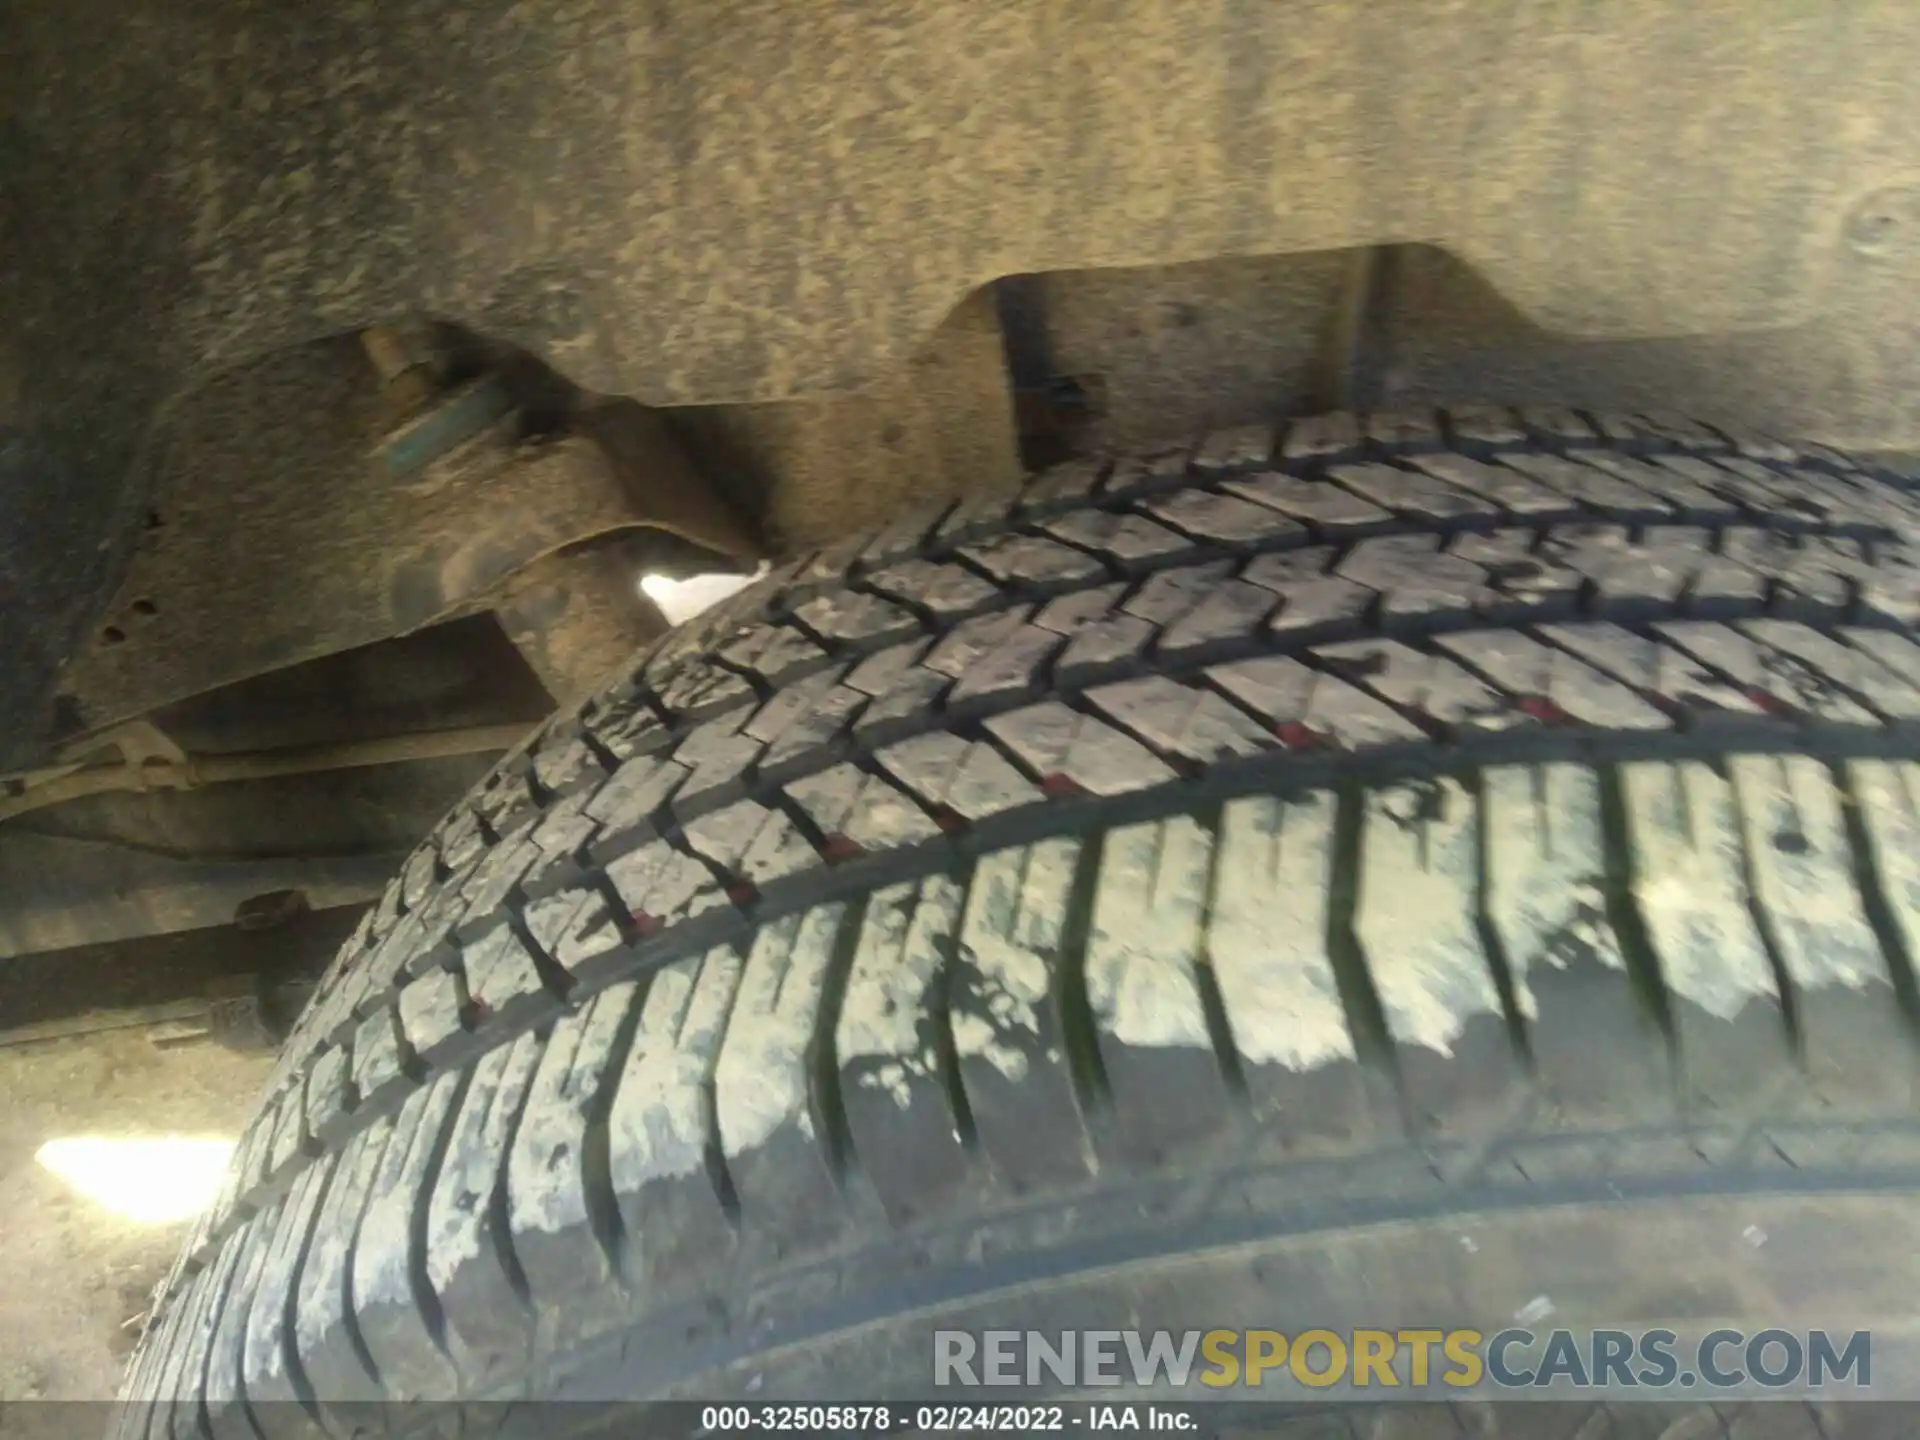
<point x="297" y="515"/>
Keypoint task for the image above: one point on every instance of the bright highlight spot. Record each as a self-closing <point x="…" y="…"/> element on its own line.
<point x="152" y="1182"/>
<point x="681" y="600"/>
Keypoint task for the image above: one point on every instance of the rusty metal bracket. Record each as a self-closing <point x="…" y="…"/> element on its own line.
<point x="296" y="516"/>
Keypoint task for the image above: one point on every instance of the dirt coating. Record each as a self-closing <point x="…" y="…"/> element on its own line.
<point x="78" y="1277"/>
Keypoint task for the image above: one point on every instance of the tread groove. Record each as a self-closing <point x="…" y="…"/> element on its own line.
<point x="1874" y="900"/>
<point x="1366" y="1016"/>
<point x="1079" y="1036"/>
<point x="1623" y="907"/>
<point x="833" y="1133"/>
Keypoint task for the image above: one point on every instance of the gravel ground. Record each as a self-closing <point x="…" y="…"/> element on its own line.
<point x="73" y="1274"/>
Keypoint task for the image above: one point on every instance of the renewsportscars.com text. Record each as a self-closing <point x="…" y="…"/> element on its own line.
<point x="1413" y="1359"/>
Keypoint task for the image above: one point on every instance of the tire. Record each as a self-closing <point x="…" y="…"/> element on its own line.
<point x="1139" y="891"/>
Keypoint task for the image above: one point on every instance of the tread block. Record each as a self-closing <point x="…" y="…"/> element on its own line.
<point x="1686" y="495"/>
<point x="1854" y="1036"/>
<point x="572" y="927"/>
<point x="1308" y="709"/>
<point x="494" y="879"/>
<point x="1069" y="614"/>
<point x="1888" y="795"/>
<point x="395" y="1330"/>
<point x="859" y="813"/>
<point x="1129" y="541"/>
<point x="335" y="1366"/>
<point x="1526" y="581"/>
<point x="1226" y="520"/>
<point x="564" y="767"/>
<point x="819" y="724"/>
<point x="1896" y="652"/>
<point x="1008" y="1050"/>
<point x="847" y="617"/>
<point x="1311" y="599"/>
<point x="560" y="838"/>
<point x="1890" y="587"/>
<point x="883" y="671"/>
<point x="1228" y="619"/>
<point x="662" y="885"/>
<point x="750" y="840"/>
<point x="1415" y="921"/>
<point x="470" y="1261"/>
<point x="221" y="1391"/>
<point x="459" y="839"/>
<point x="267" y="1363"/>
<point x="1656" y="669"/>
<point x="717" y="755"/>
<point x="289" y="1145"/>
<point x="1148" y="471"/>
<point x="1511" y="490"/>
<point x="1143" y="947"/>
<point x="1163" y="597"/>
<point x="1590" y="486"/>
<point x="1774" y="678"/>
<point x="1195" y="725"/>
<point x="764" y="1101"/>
<point x="1317" y="435"/>
<point x="1407" y="429"/>
<point x="1532" y="671"/>
<point x="1074" y="752"/>
<point x="1431" y="686"/>
<point x="773" y="654"/>
<point x="418" y="874"/>
<point x="698" y="689"/>
<point x="1062" y="486"/>
<point x="1485" y="425"/>
<point x="1555" y="423"/>
<point x="1013" y="670"/>
<point x="638" y="790"/>
<point x="1267" y="944"/>
<point x="379" y="1064"/>
<point x="1241" y="447"/>
<point x="625" y="733"/>
<point x="1031" y="563"/>
<point x="1404" y="491"/>
<point x="1414" y="577"/>
<point x="971" y="642"/>
<point x="968" y="779"/>
<point x="503" y="983"/>
<point x="1691" y="897"/>
<point x="1546" y="900"/>
<point x="1321" y="504"/>
<point x="1104" y="646"/>
<point x="561" y="1232"/>
<point x="1817" y="569"/>
<point x="330" y="1096"/>
<point x="1893" y="696"/>
<point x="663" y="1145"/>
<point x="891" y="1046"/>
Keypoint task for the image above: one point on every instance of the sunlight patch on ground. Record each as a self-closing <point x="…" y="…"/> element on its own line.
<point x="681" y="600"/>
<point x="152" y="1181"/>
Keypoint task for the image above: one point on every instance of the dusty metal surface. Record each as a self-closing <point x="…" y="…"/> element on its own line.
<point x="181" y="771"/>
<point x="280" y="533"/>
<point x="62" y="892"/>
<point x="937" y="425"/>
<point x="576" y="618"/>
<point x="752" y="200"/>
